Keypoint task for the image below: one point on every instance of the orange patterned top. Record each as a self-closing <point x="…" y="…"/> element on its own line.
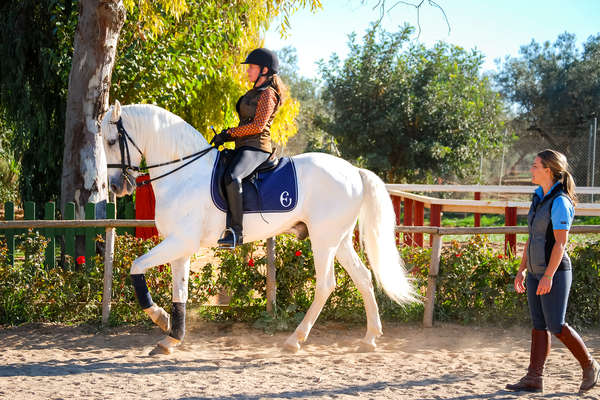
<point x="264" y="108"/>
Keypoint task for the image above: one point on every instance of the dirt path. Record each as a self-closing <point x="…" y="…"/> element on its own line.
<point x="233" y="361"/>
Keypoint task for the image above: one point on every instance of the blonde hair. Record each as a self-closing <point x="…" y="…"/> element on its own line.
<point x="559" y="166"/>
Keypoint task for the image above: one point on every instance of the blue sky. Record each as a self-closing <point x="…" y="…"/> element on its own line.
<point x="495" y="27"/>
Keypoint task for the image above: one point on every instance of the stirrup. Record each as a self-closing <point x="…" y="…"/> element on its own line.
<point x="227" y="245"/>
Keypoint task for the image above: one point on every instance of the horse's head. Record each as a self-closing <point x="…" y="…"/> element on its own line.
<point x="123" y="157"/>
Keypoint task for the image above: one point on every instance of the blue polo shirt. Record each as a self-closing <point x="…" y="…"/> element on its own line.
<point x="562" y="209"/>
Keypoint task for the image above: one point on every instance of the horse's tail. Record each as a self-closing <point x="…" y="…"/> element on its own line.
<point x="376" y="223"/>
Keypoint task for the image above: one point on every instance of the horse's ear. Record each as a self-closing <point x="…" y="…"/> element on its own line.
<point x="116" y="112"/>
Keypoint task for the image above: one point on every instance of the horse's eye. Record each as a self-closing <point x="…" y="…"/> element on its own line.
<point x="112" y="142"/>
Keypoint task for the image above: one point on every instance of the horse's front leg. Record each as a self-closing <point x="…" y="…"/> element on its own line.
<point x="181" y="271"/>
<point x="169" y="250"/>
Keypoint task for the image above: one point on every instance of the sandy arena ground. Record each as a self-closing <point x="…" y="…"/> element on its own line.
<point x="235" y="362"/>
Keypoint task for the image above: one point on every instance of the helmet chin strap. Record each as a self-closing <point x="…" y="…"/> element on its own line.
<point x="260" y="74"/>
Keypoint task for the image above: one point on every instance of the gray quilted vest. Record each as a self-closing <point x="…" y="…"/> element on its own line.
<point x="541" y="233"/>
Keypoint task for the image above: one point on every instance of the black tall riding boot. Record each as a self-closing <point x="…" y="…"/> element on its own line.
<point x="233" y="234"/>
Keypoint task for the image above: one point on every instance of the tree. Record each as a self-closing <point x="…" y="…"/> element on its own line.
<point x="84" y="167"/>
<point x="197" y="44"/>
<point x="82" y="148"/>
<point x="411" y="114"/>
<point x="35" y="55"/>
<point x="209" y="38"/>
<point x="312" y="109"/>
<point x="194" y="67"/>
<point x="554" y="90"/>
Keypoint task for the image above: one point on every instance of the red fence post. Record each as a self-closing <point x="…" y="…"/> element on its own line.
<point x="435" y="218"/>
<point x="477" y="215"/>
<point x="419" y="220"/>
<point x="408" y="220"/>
<point x="510" y="239"/>
<point x="144" y="207"/>
<point x="397" y="202"/>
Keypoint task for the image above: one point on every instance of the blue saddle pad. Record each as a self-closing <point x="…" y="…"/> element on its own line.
<point x="272" y="191"/>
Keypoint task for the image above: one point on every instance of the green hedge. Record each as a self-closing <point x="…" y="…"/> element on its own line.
<point x="475" y="285"/>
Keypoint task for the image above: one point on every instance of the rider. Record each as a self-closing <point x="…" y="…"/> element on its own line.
<point x="256" y="110"/>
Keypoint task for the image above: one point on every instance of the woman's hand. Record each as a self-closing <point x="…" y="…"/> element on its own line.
<point x="220" y="139"/>
<point x="545" y="285"/>
<point x="519" y="282"/>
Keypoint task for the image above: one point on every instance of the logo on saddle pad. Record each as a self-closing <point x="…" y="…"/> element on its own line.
<point x="271" y="191"/>
<point x="285" y="199"/>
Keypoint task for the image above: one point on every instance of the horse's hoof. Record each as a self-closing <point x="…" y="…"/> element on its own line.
<point x="166" y="345"/>
<point x="291" y="346"/>
<point x="159" y="350"/>
<point x="367" y="346"/>
<point x="160" y="317"/>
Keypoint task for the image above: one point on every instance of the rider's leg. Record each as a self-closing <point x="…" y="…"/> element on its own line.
<point x="243" y="163"/>
<point x="235" y="214"/>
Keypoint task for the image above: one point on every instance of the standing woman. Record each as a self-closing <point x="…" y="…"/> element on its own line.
<point x="548" y="278"/>
<point x="256" y="110"/>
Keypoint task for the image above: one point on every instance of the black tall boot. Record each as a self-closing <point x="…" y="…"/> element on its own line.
<point x="540" y="347"/>
<point x="233" y="234"/>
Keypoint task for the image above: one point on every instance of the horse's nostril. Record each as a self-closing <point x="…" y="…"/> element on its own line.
<point x="113" y="188"/>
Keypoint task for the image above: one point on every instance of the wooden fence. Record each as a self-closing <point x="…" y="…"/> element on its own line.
<point x="410" y="207"/>
<point x="436" y="251"/>
<point x="62" y="233"/>
<point x="92" y="227"/>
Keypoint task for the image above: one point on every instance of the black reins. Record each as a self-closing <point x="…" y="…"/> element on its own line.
<point x="124" y="138"/>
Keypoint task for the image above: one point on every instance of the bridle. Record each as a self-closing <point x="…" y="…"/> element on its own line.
<point x="126" y="166"/>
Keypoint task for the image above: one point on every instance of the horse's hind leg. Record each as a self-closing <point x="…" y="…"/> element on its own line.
<point x="361" y="276"/>
<point x="324" y="253"/>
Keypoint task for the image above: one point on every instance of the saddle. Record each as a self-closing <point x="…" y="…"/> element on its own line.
<point x="271" y="188"/>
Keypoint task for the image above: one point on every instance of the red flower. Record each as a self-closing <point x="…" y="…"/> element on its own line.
<point x="251" y="262"/>
<point x="81" y="260"/>
<point x="209" y="290"/>
<point x="458" y="254"/>
<point x="500" y="256"/>
<point x="298" y="253"/>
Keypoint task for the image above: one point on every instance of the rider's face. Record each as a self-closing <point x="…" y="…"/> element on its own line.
<point x="253" y="71"/>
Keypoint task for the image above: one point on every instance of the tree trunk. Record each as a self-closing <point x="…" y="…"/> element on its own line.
<point x="95" y="45"/>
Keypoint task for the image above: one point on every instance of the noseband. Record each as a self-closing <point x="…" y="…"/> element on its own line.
<point x="126" y="166"/>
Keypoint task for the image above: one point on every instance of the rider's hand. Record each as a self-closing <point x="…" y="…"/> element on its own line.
<point x="519" y="282"/>
<point x="221" y="138"/>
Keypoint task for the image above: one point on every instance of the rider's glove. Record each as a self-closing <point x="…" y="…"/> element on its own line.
<point x="221" y="138"/>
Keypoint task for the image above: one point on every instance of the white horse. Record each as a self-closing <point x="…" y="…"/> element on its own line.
<point x="332" y="195"/>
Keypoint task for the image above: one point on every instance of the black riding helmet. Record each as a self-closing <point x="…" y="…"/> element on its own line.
<point x="263" y="58"/>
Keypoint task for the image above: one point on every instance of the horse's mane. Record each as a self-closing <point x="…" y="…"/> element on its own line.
<point x="174" y="137"/>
